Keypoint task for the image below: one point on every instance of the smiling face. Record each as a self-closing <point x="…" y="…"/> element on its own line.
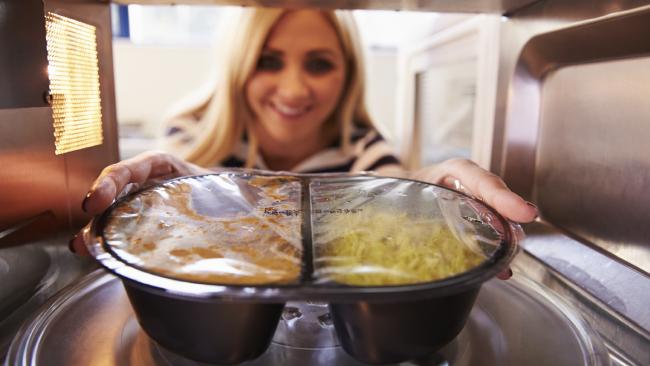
<point x="298" y="80"/>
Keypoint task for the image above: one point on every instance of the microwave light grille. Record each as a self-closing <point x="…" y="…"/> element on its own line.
<point x="74" y="83"/>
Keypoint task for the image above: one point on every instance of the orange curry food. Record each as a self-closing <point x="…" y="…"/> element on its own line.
<point x="159" y="231"/>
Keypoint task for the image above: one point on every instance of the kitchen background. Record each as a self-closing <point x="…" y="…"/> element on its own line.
<point x="163" y="54"/>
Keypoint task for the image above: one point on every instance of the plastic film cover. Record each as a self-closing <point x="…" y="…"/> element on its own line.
<point x="222" y="229"/>
<point x="384" y="231"/>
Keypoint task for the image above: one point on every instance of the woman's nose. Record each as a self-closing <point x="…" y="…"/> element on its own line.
<point x="293" y="86"/>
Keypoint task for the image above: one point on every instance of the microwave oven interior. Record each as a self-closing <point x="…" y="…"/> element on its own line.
<point x="570" y="132"/>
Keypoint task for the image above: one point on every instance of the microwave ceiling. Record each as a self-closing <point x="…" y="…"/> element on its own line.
<point x="447" y="6"/>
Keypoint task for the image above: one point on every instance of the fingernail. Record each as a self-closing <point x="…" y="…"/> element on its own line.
<point x="83" y="203"/>
<point x="71" y="244"/>
<point x="505" y="275"/>
<point x="535" y="207"/>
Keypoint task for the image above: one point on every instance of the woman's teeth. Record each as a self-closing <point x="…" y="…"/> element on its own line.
<point x="289" y="111"/>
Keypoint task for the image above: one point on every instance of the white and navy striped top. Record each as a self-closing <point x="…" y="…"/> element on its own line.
<point x="369" y="152"/>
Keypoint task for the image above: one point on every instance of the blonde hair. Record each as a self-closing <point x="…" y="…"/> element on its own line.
<point x="224" y="115"/>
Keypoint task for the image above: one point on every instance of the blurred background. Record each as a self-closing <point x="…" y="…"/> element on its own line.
<point x="163" y="54"/>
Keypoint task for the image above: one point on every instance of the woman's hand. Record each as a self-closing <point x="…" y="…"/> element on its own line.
<point x="467" y="177"/>
<point x="114" y="178"/>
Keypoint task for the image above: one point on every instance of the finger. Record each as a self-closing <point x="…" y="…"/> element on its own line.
<point x="505" y="275"/>
<point x="496" y="194"/>
<point x="100" y="196"/>
<point x="137" y="170"/>
<point x="491" y="189"/>
<point x="78" y="246"/>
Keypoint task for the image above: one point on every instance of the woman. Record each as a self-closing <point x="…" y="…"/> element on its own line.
<point x="295" y="91"/>
<point x="290" y="98"/>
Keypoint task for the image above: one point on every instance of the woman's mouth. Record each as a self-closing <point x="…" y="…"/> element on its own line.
<point x="289" y="112"/>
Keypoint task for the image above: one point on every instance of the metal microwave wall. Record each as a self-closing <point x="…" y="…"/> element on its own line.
<point x="23" y="64"/>
<point x="40" y="191"/>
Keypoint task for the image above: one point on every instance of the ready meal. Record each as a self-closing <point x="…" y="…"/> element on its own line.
<point x="376" y="247"/>
<point x="161" y="231"/>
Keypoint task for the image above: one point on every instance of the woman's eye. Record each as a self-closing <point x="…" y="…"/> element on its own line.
<point x="319" y="66"/>
<point x="269" y="63"/>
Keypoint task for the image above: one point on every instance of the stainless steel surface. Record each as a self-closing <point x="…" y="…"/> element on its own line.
<point x="570" y="134"/>
<point x="522" y="25"/>
<point x="576" y="132"/>
<point x="23" y="64"/>
<point x="593" y="140"/>
<point x="514" y="323"/>
<point x="598" y="284"/>
<point x="41" y="193"/>
<point x="22" y="281"/>
<point x="456" y="6"/>
<point x="31" y="274"/>
<point x="32" y="178"/>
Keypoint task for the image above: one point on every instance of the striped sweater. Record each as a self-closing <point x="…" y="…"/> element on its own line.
<point x="369" y="152"/>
